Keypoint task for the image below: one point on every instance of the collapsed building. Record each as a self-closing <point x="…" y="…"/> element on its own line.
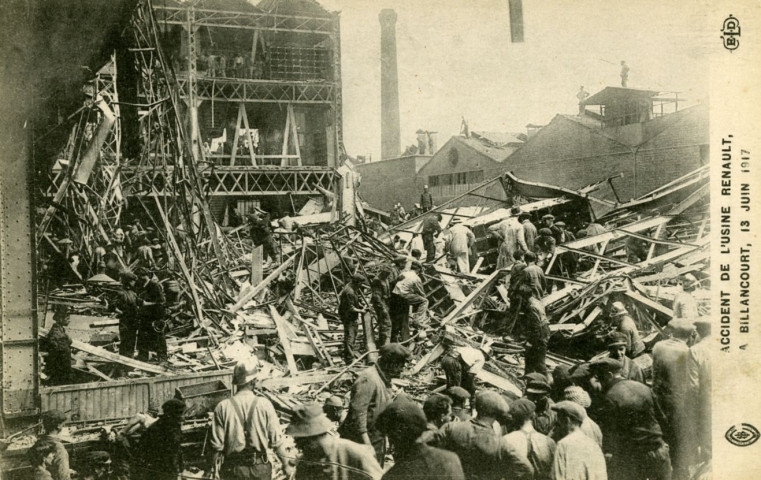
<point x="189" y="158"/>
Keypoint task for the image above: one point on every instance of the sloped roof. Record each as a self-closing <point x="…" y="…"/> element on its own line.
<point x="500" y="138"/>
<point x="616" y="94"/>
<point x="498" y="153"/>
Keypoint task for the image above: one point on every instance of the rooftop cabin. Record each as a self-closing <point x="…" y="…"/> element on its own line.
<point x="617" y="107"/>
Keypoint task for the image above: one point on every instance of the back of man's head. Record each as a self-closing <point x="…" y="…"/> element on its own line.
<point x="490" y="404"/>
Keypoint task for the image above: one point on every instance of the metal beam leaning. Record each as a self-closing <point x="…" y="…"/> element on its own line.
<point x="284" y="340"/>
<point x="472" y="297"/>
<point x="264" y="283"/>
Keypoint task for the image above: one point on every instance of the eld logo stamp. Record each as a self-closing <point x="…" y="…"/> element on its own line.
<point x="731" y="33"/>
<point x="742" y="435"/>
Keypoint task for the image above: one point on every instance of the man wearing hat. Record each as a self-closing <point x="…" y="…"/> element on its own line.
<point x="577" y="456"/>
<point x="334" y="409"/>
<point x="699" y="388"/>
<point x="617" y="350"/>
<point x="324" y="456"/>
<point x="529" y="231"/>
<point x="545" y="244"/>
<point x="380" y="299"/>
<point x="244" y="427"/>
<point x="460" y="244"/>
<point x="126" y="306"/>
<point x="52" y="423"/>
<point x="685" y="305"/>
<point x="430" y="227"/>
<point x="483" y="454"/>
<point x="426" y="199"/>
<point x="460" y="403"/>
<point x="404" y="423"/>
<point x="58" y="347"/>
<point x="41" y="456"/>
<point x="632" y="435"/>
<point x="160" y="447"/>
<point x="538" y="448"/>
<point x="151" y="314"/>
<point x="537" y="330"/>
<point x="510" y="234"/>
<point x="538" y="391"/>
<point x="624" y="323"/>
<point x="461" y="364"/>
<point x="579" y="396"/>
<point x="350" y="308"/>
<point x="398" y="310"/>
<point x="370" y="394"/>
<point x="670" y="382"/>
<point x="410" y="289"/>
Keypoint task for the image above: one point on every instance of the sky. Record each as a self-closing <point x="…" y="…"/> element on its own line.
<point x="455" y="60"/>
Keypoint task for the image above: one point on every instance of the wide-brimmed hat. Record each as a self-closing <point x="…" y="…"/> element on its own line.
<point x="308" y="421"/>
<point x="245" y="371"/>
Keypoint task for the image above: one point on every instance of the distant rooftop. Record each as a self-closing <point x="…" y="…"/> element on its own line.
<point x="610" y="95"/>
<point x="500" y="138"/>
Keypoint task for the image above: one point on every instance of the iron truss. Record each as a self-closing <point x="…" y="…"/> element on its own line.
<point x="229" y="181"/>
<point x="238" y="90"/>
<point x="248" y="20"/>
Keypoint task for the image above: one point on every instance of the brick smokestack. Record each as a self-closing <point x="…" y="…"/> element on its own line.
<point x="391" y="145"/>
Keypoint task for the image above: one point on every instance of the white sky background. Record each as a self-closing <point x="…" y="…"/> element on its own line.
<point x="455" y="59"/>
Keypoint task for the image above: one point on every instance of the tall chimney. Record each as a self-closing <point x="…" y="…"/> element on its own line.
<point x="391" y="145"/>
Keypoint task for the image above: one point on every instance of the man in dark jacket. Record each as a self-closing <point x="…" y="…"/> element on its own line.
<point x="370" y="395"/>
<point x="161" y="444"/>
<point x="58" y="466"/>
<point x="617" y="350"/>
<point x="151" y="314"/>
<point x="632" y="436"/>
<point x="404" y="422"/>
<point x="537" y="330"/>
<point x="58" y="346"/>
<point x="426" y="200"/>
<point x="350" y="307"/>
<point x="430" y="228"/>
<point x="126" y="305"/>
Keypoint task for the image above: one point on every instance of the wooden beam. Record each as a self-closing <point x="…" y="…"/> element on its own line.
<point x="264" y="283"/>
<point x="472" y="297"/>
<point x="284" y="340"/>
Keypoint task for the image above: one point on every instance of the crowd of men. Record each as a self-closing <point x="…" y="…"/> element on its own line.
<point x="595" y="420"/>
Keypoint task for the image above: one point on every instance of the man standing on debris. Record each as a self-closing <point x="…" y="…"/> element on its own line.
<point x="429" y="229"/>
<point x="58" y="346"/>
<point x="538" y="448"/>
<point x="324" y="456"/>
<point x="461" y="364"/>
<point x="685" y="305"/>
<point x="529" y="231"/>
<point x="460" y="244"/>
<point x="52" y="422"/>
<point x="244" y="427"/>
<point x="510" y="234"/>
<point x="381" y="287"/>
<point x="160" y="453"/>
<point x="350" y="307"/>
<point x="632" y="437"/>
<point x="261" y="235"/>
<point x="410" y="289"/>
<point x="126" y="305"/>
<point x="370" y="395"/>
<point x="483" y="453"/>
<point x="577" y="456"/>
<point x="699" y="389"/>
<point x="537" y="330"/>
<point x="624" y="323"/>
<point x="405" y="425"/>
<point x="151" y="312"/>
<point x="670" y="383"/>
<point x="426" y="200"/>
<point x="617" y="350"/>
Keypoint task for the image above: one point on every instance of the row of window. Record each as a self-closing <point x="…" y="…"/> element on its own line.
<point x="460" y="178"/>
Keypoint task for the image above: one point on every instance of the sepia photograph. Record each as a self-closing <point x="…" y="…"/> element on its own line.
<point x="358" y="239"/>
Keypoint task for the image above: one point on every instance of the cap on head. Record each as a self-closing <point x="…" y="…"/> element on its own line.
<point x="394" y="352"/>
<point x="334" y="401"/>
<point x="457" y="394"/>
<point x="522" y="409"/>
<point x="560" y="224"/>
<point x="548" y="216"/>
<point x="491" y="404"/>
<point x="52" y="419"/>
<point x="578" y="395"/>
<point x="617" y="309"/>
<point x="538" y="387"/>
<point x="571" y="410"/>
<point x="616" y="339"/>
<point x="545" y="231"/>
<point x="515" y="211"/>
<point x="246" y="371"/>
<point x="173" y="407"/>
<point x="681" y="327"/>
<point x="308" y="421"/>
<point x="402" y="419"/>
<point x="605" y="365"/>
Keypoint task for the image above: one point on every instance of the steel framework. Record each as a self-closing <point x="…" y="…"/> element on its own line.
<point x="249" y="20"/>
<point x="259" y="91"/>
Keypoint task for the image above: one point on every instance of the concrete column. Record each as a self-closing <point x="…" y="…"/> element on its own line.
<point x="390" y="142"/>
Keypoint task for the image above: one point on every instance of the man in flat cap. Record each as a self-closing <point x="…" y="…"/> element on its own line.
<point x="460" y="403"/>
<point x="404" y="423"/>
<point x="589" y="427"/>
<point x="370" y="395"/>
<point x="670" y="382"/>
<point x="460" y="244"/>
<point x="41" y="456"/>
<point x="538" y="391"/>
<point x="538" y="448"/>
<point x="381" y="287"/>
<point x="126" y="306"/>
<point x="244" y="428"/>
<point x="699" y="388"/>
<point x="624" y="323"/>
<point x="325" y="456"/>
<point x="430" y="228"/>
<point x="685" y="305"/>
<point x="577" y="456"/>
<point x="617" y="349"/>
<point x="52" y="423"/>
<point x="57" y="344"/>
<point x="350" y="307"/>
<point x="160" y="448"/>
<point x="482" y="451"/>
<point x="632" y="435"/>
<point x="409" y="288"/>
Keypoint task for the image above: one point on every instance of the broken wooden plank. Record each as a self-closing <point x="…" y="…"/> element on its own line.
<point x="483" y="287"/>
<point x="499" y="382"/>
<point x="284" y="340"/>
<point x="429" y="357"/>
<point x="264" y="284"/>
